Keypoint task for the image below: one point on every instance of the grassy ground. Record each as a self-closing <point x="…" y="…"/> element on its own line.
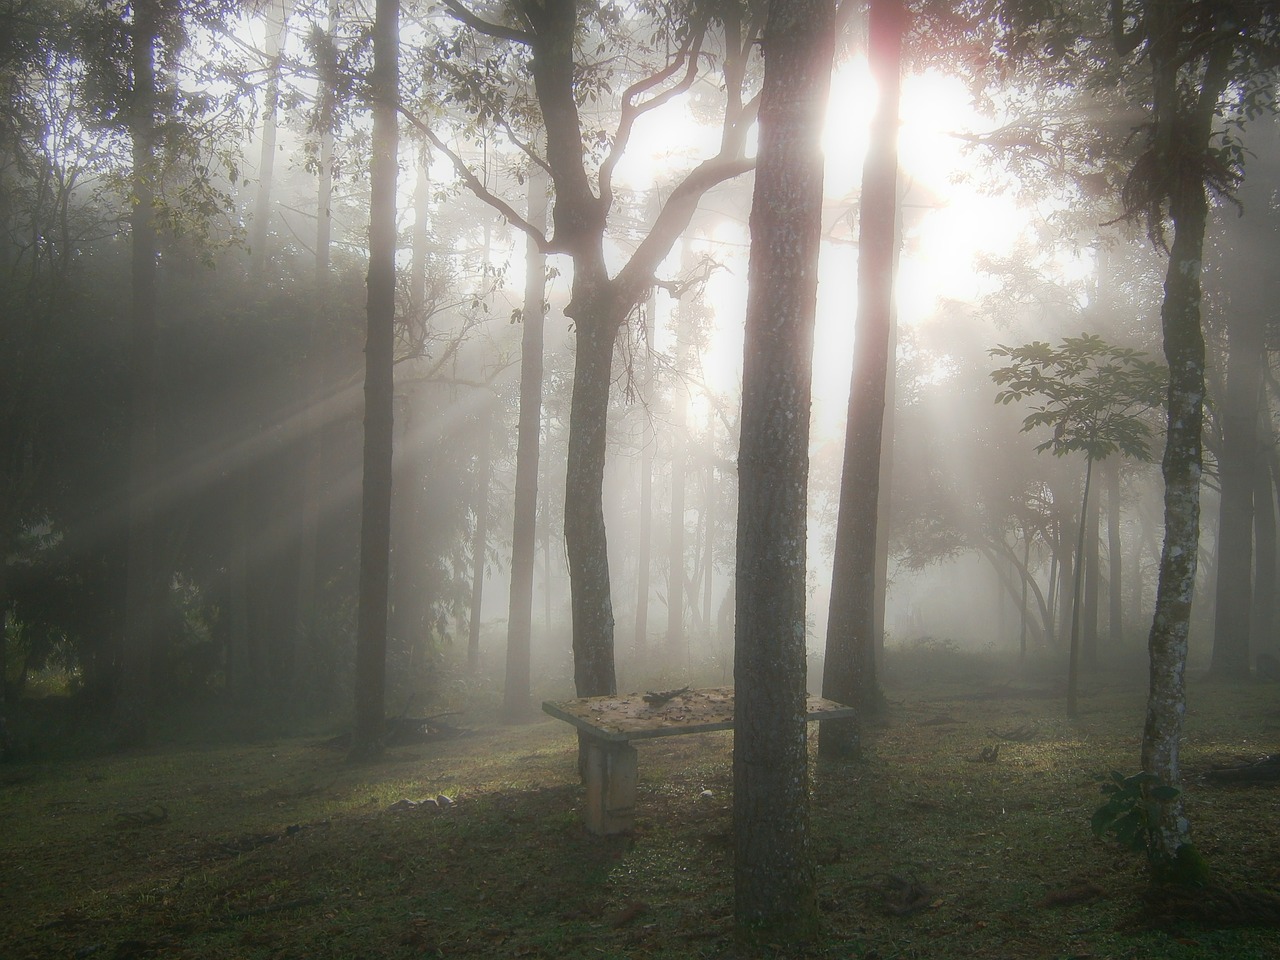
<point x="281" y="850"/>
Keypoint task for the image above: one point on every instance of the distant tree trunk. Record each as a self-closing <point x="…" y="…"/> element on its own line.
<point x="516" y="703"/>
<point x="1177" y="129"/>
<point x="1073" y="663"/>
<point x="1022" y="607"/>
<point x="142" y="589"/>
<point x="644" y="545"/>
<point x="304" y="641"/>
<point x="1092" y="586"/>
<point x="679" y="432"/>
<point x="1115" y="595"/>
<point x="1262" y="618"/>
<point x="1237" y="469"/>
<point x="849" y="673"/>
<point x="375" y="513"/>
<point x="1052" y="601"/>
<point x="267" y="158"/>
<point x="709" y="545"/>
<point x="479" y="536"/>
<point x="774" y="884"/>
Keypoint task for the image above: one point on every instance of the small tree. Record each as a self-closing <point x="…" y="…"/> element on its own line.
<point x="1095" y="396"/>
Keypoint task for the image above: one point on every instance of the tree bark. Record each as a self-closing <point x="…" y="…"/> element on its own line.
<point x="375" y="513"/>
<point x="142" y="588"/>
<point x="849" y="673"/>
<point x="516" y="702"/>
<point x="1177" y="130"/>
<point x="774" y="884"/>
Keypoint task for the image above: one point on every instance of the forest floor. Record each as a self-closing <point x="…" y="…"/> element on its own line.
<point x="280" y="849"/>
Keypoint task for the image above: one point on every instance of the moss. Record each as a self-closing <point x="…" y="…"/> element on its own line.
<point x="1188" y="868"/>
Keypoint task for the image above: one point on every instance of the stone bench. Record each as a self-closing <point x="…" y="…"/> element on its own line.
<point x="609" y="724"/>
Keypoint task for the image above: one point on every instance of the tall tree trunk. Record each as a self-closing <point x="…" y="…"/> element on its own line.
<point x="142" y="589"/>
<point x="1176" y="130"/>
<point x="849" y="674"/>
<point x="774" y="884"/>
<point x="305" y="618"/>
<point x="584" y="531"/>
<point x="516" y="703"/>
<point x="375" y="511"/>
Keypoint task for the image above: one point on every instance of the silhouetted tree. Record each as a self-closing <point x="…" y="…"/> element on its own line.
<point x="849" y="670"/>
<point x="375" y="529"/>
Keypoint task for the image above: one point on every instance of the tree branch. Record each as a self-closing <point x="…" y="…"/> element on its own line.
<point x="675" y="216"/>
<point x="631" y="112"/>
<point x="473" y="183"/>
<point x="497" y="30"/>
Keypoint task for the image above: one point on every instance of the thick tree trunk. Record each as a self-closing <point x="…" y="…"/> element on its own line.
<point x="516" y="703"/>
<point x="584" y="531"/>
<point x="774" y="885"/>
<point x="142" y="588"/>
<point x="849" y="673"/>
<point x="375" y="527"/>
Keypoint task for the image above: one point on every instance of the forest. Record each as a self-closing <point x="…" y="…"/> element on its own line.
<point x="372" y="373"/>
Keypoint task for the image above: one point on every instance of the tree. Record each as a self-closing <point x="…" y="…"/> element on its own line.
<point x="1094" y="397"/>
<point x="375" y="528"/>
<point x="142" y="593"/>
<point x="1196" y="53"/>
<point x="773" y="870"/>
<point x="849" y="671"/>
<point x="548" y="37"/>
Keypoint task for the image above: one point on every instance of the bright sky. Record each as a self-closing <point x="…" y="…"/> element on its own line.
<point x="949" y="223"/>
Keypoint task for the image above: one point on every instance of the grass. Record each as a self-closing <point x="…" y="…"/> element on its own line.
<point x="279" y="849"/>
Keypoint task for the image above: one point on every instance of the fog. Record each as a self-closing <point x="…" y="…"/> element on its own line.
<point x="260" y="401"/>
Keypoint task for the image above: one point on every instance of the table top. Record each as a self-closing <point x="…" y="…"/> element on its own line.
<point x="630" y="717"/>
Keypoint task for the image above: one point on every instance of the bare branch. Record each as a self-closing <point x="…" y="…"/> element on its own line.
<point x="497" y="30"/>
<point x="525" y="148"/>
<point x="631" y="111"/>
<point x="476" y="187"/>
